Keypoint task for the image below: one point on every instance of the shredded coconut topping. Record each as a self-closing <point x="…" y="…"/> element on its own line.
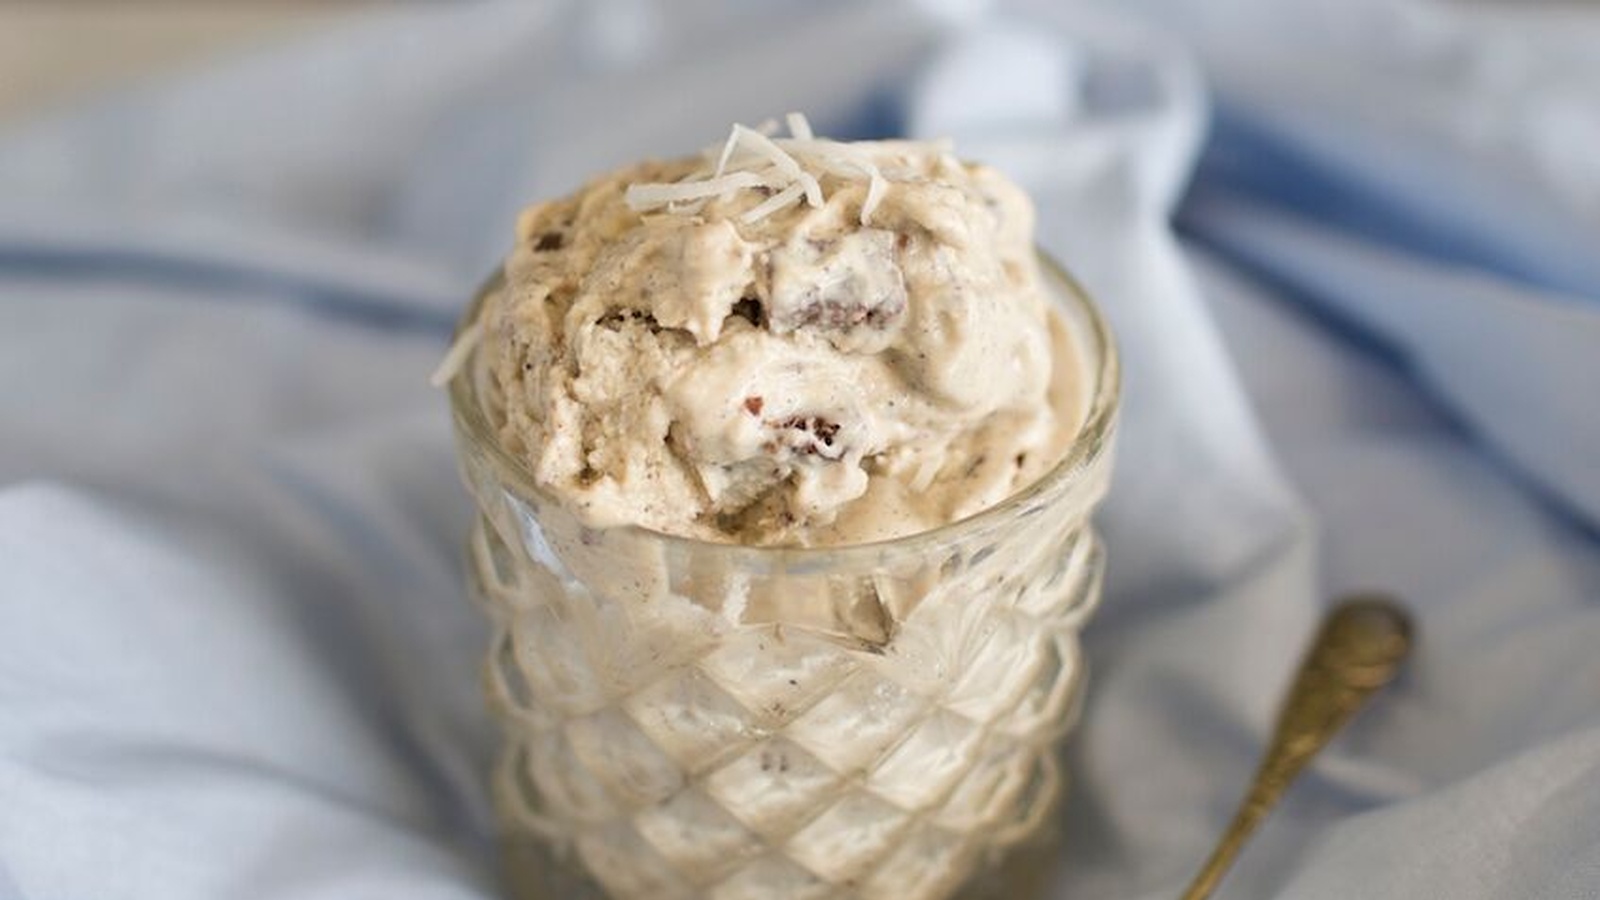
<point x="776" y="202"/>
<point x="798" y="126"/>
<point x="753" y="158"/>
<point x="649" y="196"/>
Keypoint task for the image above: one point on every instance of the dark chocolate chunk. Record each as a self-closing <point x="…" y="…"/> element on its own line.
<point x="615" y="319"/>
<point x="751" y="310"/>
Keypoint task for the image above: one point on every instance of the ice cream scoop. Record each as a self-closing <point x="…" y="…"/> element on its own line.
<point x="792" y="341"/>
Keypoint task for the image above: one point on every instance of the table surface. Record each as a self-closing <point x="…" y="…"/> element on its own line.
<point x="50" y="52"/>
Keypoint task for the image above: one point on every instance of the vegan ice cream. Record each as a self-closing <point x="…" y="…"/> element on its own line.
<point x="796" y="341"/>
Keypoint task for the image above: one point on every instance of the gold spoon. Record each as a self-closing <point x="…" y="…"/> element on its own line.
<point x="1360" y="648"/>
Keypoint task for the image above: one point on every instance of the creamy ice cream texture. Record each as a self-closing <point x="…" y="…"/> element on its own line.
<point x="788" y="340"/>
<point x="785" y="341"/>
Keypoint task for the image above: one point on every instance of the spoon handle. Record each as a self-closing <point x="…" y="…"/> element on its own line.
<point x="1360" y="648"/>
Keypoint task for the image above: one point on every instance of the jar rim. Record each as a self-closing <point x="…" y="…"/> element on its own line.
<point x="1076" y="466"/>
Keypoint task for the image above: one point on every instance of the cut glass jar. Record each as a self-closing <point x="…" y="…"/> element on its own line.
<point x="685" y="719"/>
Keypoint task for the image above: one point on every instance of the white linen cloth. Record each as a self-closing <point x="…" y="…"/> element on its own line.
<point x="1352" y="251"/>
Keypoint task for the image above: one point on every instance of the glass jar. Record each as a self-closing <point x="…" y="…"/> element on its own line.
<point x="686" y="719"/>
